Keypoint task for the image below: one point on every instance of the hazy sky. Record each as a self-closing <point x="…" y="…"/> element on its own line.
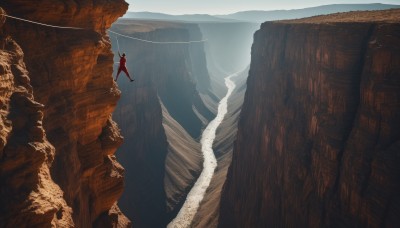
<point x="231" y="6"/>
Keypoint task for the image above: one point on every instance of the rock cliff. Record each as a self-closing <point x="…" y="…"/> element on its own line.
<point x="161" y="115"/>
<point x="27" y="193"/>
<point x="58" y="148"/>
<point x="319" y="134"/>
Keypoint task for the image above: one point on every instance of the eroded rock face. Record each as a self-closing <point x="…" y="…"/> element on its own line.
<point x="28" y="195"/>
<point x="319" y="135"/>
<point x="70" y="74"/>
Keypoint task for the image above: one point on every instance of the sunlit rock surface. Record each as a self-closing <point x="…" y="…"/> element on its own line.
<point x="70" y="76"/>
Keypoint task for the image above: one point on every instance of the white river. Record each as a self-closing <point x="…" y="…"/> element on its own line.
<point x="196" y="194"/>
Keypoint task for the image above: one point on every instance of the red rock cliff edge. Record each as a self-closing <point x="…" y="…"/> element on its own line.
<point x="57" y="166"/>
<point x="319" y="135"/>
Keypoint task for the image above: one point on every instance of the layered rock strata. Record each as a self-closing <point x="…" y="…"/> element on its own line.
<point x="70" y="74"/>
<point x="319" y="140"/>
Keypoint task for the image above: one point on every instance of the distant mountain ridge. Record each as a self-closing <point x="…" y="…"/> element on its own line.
<point x="260" y="16"/>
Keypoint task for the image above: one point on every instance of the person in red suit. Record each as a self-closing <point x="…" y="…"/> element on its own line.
<point x="122" y="67"/>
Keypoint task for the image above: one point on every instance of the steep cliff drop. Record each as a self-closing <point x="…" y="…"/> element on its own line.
<point x="59" y="171"/>
<point x="196" y="194"/>
<point x="319" y="134"/>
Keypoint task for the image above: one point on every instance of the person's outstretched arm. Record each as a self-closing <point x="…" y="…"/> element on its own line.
<point x="119" y="54"/>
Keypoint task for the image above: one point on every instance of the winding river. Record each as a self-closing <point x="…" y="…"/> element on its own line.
<point x="196" y="194"/>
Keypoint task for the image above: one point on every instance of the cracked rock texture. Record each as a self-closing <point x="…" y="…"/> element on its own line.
<point x="61" y="161"/>
<point x="27" y="193"/>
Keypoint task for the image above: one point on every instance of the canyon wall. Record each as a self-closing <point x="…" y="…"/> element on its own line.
<point x="57" y="161"/>
<point x="161" y="115"/>
<point x="27" y="193"/>
<point x="319" y="134"/>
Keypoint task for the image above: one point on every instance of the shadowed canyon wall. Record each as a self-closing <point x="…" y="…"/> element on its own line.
<point x="161" y="115"/>
<point x="319" y="134"/>
<point x="57" y="162"/>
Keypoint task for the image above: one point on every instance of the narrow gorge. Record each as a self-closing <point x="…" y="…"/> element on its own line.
<point x="196" y="194"/>
<point x="164" y="112"/>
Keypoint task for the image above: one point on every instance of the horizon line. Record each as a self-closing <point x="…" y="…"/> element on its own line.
<point x="233" y="12"/>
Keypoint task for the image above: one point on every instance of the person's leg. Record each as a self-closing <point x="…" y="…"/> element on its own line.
<point x="119" y="71"/>
<point x="127" y="73"/>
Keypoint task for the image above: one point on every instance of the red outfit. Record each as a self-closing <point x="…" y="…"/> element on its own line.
<point x="122" y="67"/>
<point x="122" y="61"/>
